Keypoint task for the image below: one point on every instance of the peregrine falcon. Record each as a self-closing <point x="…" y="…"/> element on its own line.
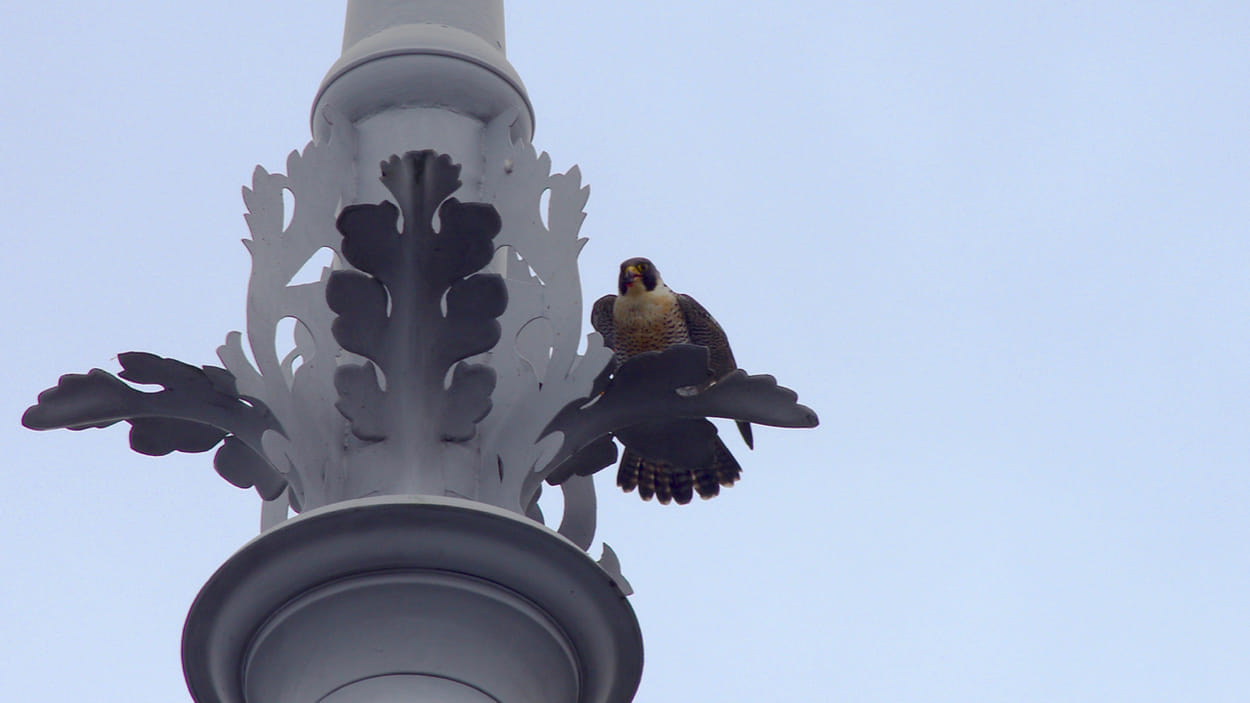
<point x="648" y="316"/>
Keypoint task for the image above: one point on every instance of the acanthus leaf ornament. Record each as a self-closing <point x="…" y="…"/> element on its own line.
<point x="390" y="310"/>
<point x="197" y="409"/>
<point x="437" y="341"/>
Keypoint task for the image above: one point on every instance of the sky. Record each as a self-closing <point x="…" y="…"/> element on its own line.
<point x="1001" y="248"/>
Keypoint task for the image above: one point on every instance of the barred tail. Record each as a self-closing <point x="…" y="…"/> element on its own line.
<point x="666" y="482"/>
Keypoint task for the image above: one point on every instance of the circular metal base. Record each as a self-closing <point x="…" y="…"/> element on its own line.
<point x="412" y="598"/>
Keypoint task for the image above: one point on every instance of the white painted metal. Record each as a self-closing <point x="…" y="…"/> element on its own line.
<point x="411" y="598"/>
<point x="373" y="592"/>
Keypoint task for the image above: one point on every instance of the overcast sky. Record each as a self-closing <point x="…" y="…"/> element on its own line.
<point x="1002" y="248"/>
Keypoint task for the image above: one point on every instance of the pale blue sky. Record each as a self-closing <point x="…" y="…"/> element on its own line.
<point x="1002" y="248"/>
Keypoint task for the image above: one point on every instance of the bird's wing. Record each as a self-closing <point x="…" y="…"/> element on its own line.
<point x="602" y="320"/>
<point x="705" y="331"/>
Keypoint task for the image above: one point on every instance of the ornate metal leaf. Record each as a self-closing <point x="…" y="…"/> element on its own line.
<point x="651" y="401"/>
<point x="539" y="368"/>
<point x="391" y="311"/>
<point x="321" y="178"/>
<point x="241" y="466"/>
<point x="198" y="408"/>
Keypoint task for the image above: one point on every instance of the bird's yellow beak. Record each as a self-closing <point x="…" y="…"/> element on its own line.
<point x="631" y="273"/>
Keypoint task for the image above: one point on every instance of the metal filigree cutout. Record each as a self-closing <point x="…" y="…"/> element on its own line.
<point x="437" y="343"/>
<point x="265" y="415"/>
<point x="539" y="369"/>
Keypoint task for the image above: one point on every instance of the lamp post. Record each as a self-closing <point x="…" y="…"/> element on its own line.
<point x="413" y="570"/>
<point x="404" y="426"/>
<point x="432" y="386"/>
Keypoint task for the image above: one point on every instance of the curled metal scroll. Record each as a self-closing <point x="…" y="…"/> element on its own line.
<point x="431" y="344"/>
<point x="537" y="361"/>
<point x="198" y="409"/>
<point x="260" y="414"/>
<point x="436" y="341"/>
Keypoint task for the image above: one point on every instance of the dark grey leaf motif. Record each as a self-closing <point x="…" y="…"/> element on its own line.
<point x="390" y="311"/>
<point x="238" y="464"/>
<point x="650" y="400"/>
<point x="198" y="408"/>
<point x="600" y="453"/>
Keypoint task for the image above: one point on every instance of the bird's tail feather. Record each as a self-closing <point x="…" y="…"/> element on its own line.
<point x="744" y="428"/>
<point x="667" y="482"/>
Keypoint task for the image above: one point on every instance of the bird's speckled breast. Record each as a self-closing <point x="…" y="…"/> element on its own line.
<point x="648" y="322"/>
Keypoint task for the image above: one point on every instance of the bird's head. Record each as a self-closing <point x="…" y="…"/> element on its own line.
<point x="638" y="276"/>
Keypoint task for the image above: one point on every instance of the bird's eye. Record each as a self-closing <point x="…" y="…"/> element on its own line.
<point x="642" y="267"/>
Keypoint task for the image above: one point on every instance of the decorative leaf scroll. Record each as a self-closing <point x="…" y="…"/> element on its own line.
<point x="266" y="412"/>
<point x="537" y="361"/>
<point x="391" y="311"/>
<point x="199" y="408"/>
<point x="320" y="178"/>
<point x="651" y="400"/>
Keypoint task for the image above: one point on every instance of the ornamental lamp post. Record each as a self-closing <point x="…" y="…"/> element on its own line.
<point x="433" y="387"/>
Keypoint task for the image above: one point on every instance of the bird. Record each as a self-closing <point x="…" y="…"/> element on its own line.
<point x="646" y="315"/>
